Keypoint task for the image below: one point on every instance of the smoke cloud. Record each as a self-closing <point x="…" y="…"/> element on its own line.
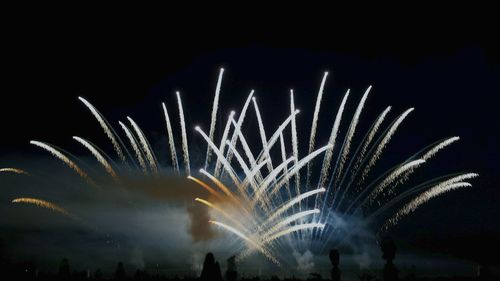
<point x="305" y="261"/>
<point x="140" y="221"/>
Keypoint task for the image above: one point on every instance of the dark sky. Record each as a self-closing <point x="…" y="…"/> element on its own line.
<point x="445" y="65"/>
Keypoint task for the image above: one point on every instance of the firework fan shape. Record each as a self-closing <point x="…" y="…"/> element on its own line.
<point x="276" y="198"/>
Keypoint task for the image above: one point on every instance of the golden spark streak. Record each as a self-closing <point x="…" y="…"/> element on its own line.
<point x="43" y="204"/>
<point x="13" y="170"/>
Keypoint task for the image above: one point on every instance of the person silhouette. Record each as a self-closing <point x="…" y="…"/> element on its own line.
<point x="388" y="248"/>
<point x="211" y="269"/>
<point x="335" y="259"/>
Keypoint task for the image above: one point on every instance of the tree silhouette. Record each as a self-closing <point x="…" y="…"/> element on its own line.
<point x="2" y="258"/>
<point x="120" y="272"/>
<point x="141" y="275"/>
<point x="1" y="250"/>
<point x="98" y="275"/>
<point x="64" y="270"/>
<point x="231" y="273"/>
<point x="218" y="273"/>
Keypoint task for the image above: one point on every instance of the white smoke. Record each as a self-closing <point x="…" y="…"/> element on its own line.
<point x="197" y="263"/>
<point x="305" y="261"/>
<point x="363" y="260"/>
<point x="137" y="258"/>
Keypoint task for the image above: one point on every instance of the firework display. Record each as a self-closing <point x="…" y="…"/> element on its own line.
<point x="285" y="195"/>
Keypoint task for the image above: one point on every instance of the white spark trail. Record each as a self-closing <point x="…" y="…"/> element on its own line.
<point x="392" y="177"/>
<point x="421" y="199"/>
<point x="185" y="147"/>
<point x="333" y="137"/>
<point x="244" y="144"/>
<point x="325" y="167"/>
<point x="281" y="224"/>
<point x="221" y="211"/>
<point x="105" y="127"/>
<point x="99" y="157"/>
<point x="289" y="220"/>
<point x="253" y="173"/>
<point x="214" y="115"/>
<point x="283" y="157"/>
<point x="312" y="135"/>
<point x="222" y="145"/>
<point x="248" y="240"/>
<point x="277" y="227"/>
<point x="263" y="136"/>
<point x="367" y="140"/>
<point x="435" y="148"/>
<point x="371" y="136"/>
<point x="270" y="178"/>
<point x="295" y="149"/>
<point x="56" y="153"/>
<point x="291" y="203"/>
<point x="350" y="132"/>
<point x="222" y="187"/>
<point x="243" y="165"/>
<point x="294" y="228"/>
<point x="458" y="178"/>
<point x="385" y="141"/>
<point x="223" y="160"/>
<point x="227" y="192"/>
<point x="171" y="142"/>
<point x="241" y="119"/>
<point x="135" y="146"/>
<point x="430" y="153"/>
<point x="440" y="146"/>
<point x="145" y="146"/>
<point x="272" y="140"/>
<point x="299" y="166"/>
<point x="413" y="190"/>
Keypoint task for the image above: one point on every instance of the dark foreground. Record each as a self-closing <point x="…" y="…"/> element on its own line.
<point x="211" y="271"/>
<point x="28" y="271"/>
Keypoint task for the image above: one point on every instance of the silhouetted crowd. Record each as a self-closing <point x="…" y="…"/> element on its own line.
<point x="211" y="271"/>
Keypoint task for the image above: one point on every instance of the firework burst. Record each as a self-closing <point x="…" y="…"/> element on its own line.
<point x="262" y="197"/>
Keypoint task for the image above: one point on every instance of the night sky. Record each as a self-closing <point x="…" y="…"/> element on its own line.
<point x="448" y="69"/>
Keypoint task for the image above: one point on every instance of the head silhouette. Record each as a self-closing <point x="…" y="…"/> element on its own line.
<point x="388" y="248"/>
<point x="334" y="257"/>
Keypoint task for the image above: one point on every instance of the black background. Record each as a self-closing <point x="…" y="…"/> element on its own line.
<point x="446" y="64"/>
